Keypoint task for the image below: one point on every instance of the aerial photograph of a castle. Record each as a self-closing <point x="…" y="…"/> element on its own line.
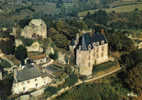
<point x="70" y="49"/>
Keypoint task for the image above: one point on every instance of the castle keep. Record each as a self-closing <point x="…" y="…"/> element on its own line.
<point x="35" y="29"/>
<point x="91" y="50"/>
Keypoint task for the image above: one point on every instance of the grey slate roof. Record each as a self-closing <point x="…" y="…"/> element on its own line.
<point x="87" y="39"/>
<point x="28" y="73"/>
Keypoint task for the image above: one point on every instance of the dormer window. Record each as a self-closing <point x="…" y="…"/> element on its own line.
<point x="97" y="43"/>
<point x="80" y="47"/>
<point x="102" y="42"/>
<point x="89" y="47"/>
<point x="94" y="44"/>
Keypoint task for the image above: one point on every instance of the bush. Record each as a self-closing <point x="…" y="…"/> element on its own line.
<point x="21" y="53"/>
<point x="27" y="42"/>
<point x="53" y="56"/>
<point x="4" y="63"/>
<point x="71" y="80"/>
<point x="50" y="91"/>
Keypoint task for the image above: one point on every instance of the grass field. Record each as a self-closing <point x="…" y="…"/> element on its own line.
<point x="120" y="9"/>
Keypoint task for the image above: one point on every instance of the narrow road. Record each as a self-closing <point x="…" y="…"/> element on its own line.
<point x="49" y="63"/>
<point x="60" y="92"/>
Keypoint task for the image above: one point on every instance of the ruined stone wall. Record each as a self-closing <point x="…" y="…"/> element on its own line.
<point x="35" y="47"/>
<point x="36" y="29"/>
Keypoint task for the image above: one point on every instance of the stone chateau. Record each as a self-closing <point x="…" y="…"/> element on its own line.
<point x="91" y="49"/>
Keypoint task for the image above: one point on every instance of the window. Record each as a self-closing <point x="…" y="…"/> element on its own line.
<point x="102" y="48"/>
<point x="89" y="64"/>
<point x="24" y="88"/>
<point x="36" y="84"/>
<point x="102" y="54"/>
<point x="34" y="35"/>
<point x="28" y="81"/>
<point x="94" y="44"/>
<point x="102" y="42"/>
<point x="89" y="47"/>
<point x="97" y="49"/>
<point x="97" y="55"/>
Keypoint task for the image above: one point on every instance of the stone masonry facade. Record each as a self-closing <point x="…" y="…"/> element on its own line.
<point x="91" y="50"/>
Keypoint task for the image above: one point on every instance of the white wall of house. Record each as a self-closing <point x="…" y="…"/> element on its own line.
<point x="25" y="86"/>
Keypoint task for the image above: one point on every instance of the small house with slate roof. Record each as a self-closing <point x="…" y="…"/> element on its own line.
<point x="92" y="49"/>
<point x="30" y="78"/>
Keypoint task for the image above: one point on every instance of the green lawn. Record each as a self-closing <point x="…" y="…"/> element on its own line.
<point x="127" y="8"/>
<point x="104" y="66"/>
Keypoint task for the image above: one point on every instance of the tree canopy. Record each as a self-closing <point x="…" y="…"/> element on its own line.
<point x="21" y="53"/>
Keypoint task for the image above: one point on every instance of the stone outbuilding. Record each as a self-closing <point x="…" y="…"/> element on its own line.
<point x="28" y="79"/>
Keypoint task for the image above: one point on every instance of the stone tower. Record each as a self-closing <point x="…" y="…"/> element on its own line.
<point x="92" y="49"/>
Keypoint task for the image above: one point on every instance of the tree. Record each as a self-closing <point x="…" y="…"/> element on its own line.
<point x="54" y="56"/>
<point x="119" y="42"/>
<point x="27" y="42"/>
<point x="8" y="46"/>
<point x="71" y="80"/>
<point x="24" y="22"/>
<point x="59" y="3"/>
<point x="101" y="17"/>
<point x="61" y="41"/>
<point x="50" y="91"/>
<point x="61" y="26"/>
<point x="52" y="32"/>
<point x="21" y="53"/>
<point x="134" y="79"/>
